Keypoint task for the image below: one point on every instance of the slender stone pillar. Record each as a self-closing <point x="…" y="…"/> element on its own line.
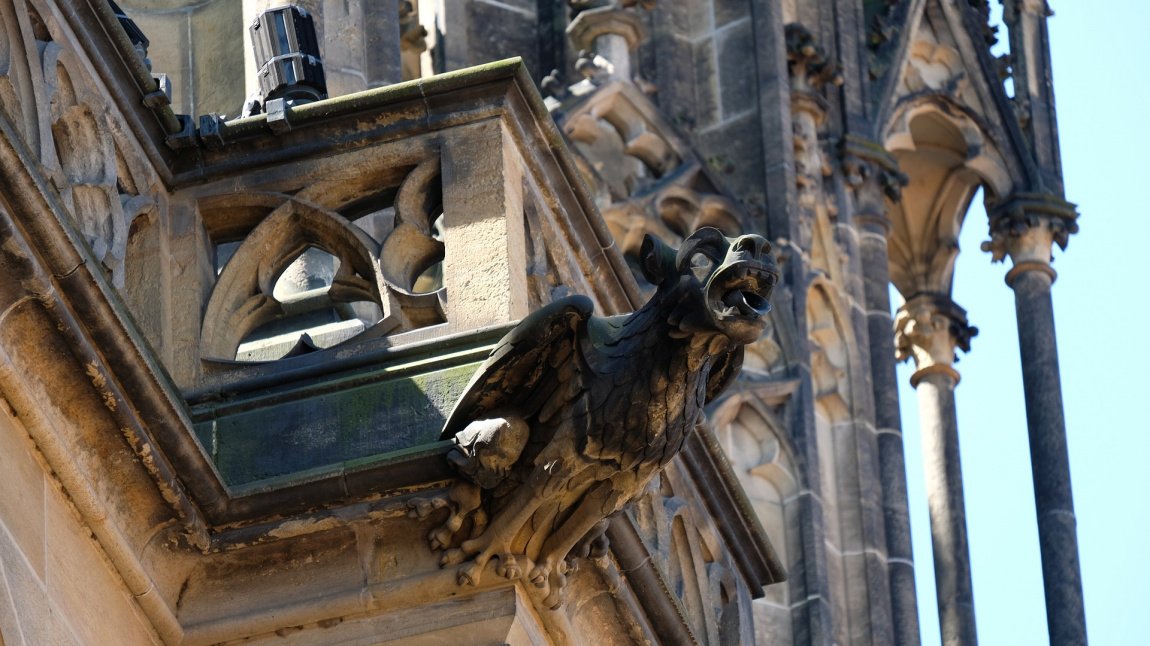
<point x="611" y="32"/>
<point x="874" y="178"/>
<point x="929" y="328"/>
<point x="1025" y="228"/>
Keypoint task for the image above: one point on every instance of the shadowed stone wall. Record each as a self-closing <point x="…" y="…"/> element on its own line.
<point x="199" y="44"/>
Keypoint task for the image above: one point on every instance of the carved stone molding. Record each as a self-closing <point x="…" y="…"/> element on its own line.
<point x="687" y="549"/>
<point x="60" y="115"/>
<point x="609" y="32"/>
<point x="1025" y="227"/>
<point x="931" y="328"/>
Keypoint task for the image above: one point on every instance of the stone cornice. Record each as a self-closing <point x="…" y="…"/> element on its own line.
<point x="156" y="417"/>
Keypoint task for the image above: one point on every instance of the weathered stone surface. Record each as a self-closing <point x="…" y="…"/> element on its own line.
<point x="216" y="30"/>
<point x="55" y="584"/>
<point x="485" y="244"/>
<point x="737" y="89"/>
<point x="734" y="156"/>
<point x="199" y="45"/>
<point x="34" y="619"/>
<point x="24" y="489"/>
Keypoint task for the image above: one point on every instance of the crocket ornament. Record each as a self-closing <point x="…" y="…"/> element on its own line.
<point x="573" y="414"/>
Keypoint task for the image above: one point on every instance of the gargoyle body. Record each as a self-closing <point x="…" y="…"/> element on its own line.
<point x="573" y="414"/>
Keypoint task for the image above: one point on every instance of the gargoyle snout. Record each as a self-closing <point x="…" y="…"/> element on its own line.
<point x="750" y="246"/>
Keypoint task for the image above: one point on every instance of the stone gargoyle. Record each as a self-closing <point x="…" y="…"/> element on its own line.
<point x="572" y="414"/>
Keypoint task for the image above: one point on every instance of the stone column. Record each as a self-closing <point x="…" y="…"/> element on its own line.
<point x="1025" y="228"/>
<point x="929" y="328"/>
<point x="874" y="178"/>
<point x="613" y="32"/>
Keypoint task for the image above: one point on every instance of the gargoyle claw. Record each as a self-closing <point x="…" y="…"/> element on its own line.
<point x="440" y="538"/>
<point x="554" y="597"/>
<point x="454" y="522"/>
<point x="539" y="574"/>
<point x="470" y="574"/>
<point x="508" y="567"/>
<point x="421" y="508"/>
<point x="452" y="557"/>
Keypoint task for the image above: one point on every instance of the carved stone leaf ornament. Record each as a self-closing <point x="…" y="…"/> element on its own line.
<point x="572" y="415"/>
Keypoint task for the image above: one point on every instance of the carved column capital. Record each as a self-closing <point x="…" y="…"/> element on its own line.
<point x="807" y="64"/>
<point x="930" y="328"/>
<point x="611" y="29"/>
<point x="1025" y="227"/>
<point x="607" y="19"/>
<point x="873" y="177"/>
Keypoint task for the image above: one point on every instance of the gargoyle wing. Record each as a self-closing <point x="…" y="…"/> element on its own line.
<point x="724" y="372"/>
<point x="527" y="355"/>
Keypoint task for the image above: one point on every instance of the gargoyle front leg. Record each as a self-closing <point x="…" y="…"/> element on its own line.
<point x="594" y="545"/>
<point x="466" y="497"/>
<point x="497" y="538"/>
<point x="599" y="502"/>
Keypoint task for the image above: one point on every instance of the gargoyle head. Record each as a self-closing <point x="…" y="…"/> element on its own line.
<point x="717" y="284"/>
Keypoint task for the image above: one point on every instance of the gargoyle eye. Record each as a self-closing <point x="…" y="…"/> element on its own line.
<point x="701" y="265"/>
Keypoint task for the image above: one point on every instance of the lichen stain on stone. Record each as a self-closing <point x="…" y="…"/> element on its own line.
<point x="143" y="452"/>
<point x="101" y="384"/>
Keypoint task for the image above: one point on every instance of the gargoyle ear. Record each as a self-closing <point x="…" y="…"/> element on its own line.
<point x="656" y="259"/>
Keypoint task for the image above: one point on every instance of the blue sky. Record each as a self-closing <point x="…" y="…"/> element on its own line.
<point x="1100" y="53"/>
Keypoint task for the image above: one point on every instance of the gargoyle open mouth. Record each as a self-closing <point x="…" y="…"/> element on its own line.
<point x="741" y="290"/>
